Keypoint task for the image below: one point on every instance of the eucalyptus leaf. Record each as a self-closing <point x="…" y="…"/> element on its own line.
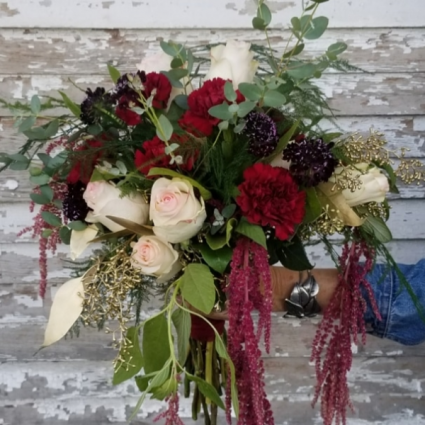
<point x="181" y="101"/>
<point x="274" y="99"/>
<point x="51" y="218"/>
<point x="259" y="23"/>
<point x="301" y="70"/>
<point x="314" y="28"/>
<point x="336" y="49"/>
<point x="264" y="13"/>
<point x="77" y="225"/>
<point x="250" y="91"/>
<point x="245" y="108"/>
<point x="47" y="191"/>
<point x="165" y="130"/>
<point x="294" y="51"/>
<point x="65" y="235"/>
<point x="221" y="112"/>
<point x="39" y="198"/>
<point x="26" y="124"/>
<point x="229" y="92"/>
<point x="35" y="104"/>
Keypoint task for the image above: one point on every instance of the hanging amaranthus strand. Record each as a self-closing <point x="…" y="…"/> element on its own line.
<point x="342" y="321"/>
<point x="249" y="289"/>
<point x="171" y="415"/>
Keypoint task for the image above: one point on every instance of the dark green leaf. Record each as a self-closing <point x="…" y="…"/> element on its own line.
<point x="168" y="387"/>
<point x="131" y="359"/>
<point x="19" y="166"/>
<point x="250" y="91"/>
<point x="26" y="124"/>
<point x="47" y="191"/>
<point x="77" y="225"/>
<point x="315" y="28"/>
<point x="46" y="233"/>
<point x="228" y="210"/>
<point x="295" y="51"/>
<point x="258" y="23"/>
<point x="221" y="112"/>
<point x="217" y="259"/>
<point x="39" y="199"/>
<point x="40" y="179"/>
<point x="296" y="23"/>
<point x="313" y="208"/>
<point x="300" y="70"/>
<point x="51" y="129"/>
<point x="51" y="219"/>
<point x="44" y="158"/>
<point x="65" y="235"/>
<point x="114" y="73"/>
<point x="252" y="231"/>
<point x="18" y="157"/>
<point x="293" y="255"/>
<point x="182" y="323"/>
<point x="198" y="287"/>
<point x="94" y="129"/>
<point x="176" y="63"/>
<point x="156" y="346"/>
<point x="207" y="390"/>
<point x="229" y="92"/>
<point x="264" y="13"/>
<point x="35" y="104"/>
<point x="142" y="382"/>
<point x="274" y="99"/>
<point x="73" y="107"/>
<point x="376" y="227"/>
<point x="181" y="101"/>
<point x="177" y="74"/>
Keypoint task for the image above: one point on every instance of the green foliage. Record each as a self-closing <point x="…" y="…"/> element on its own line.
<point x="156" y="348"/>
<point x="207" y="390"/>
<point x="182" y="323"/>
<point x="292" y="255"/>
<point x="377" y="228"/>
<point x="252" y="231"/>
<point x="218" y="259"/>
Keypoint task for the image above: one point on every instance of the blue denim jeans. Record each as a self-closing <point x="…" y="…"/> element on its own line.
<point x="401" y="321"/>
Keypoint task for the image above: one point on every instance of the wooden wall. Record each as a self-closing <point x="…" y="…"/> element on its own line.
<point x="45" y="43"/>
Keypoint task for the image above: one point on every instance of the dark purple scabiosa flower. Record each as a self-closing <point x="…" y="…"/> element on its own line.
<point x="312" y="161"/>
<point x="74" y="205"/>
<point x="126" y="84"/>
<point x="97" y="99"/>
<point x="262" y="134"/>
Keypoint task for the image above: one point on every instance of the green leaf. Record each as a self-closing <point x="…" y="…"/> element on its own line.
<point x="264" y="13"/>
<point x="26" y="124"/>
<point x="114" y="73"/>
<point x="319" y="1"/>
<point x="40" y="179"/>
<point x="176" y="63"/>
<point x="181" y="101"/>
<point x="65" y="235"/>
<point x="293" y="256"/>
<point x="228" y="210"/>
<point x="376" y="227"/>
<point x="296" y="24"/>
<point x="221" y="111"/>
<point x="250" y="91"/>
<point x="18" y="157"/>
<point x="198" y="287"/>
<point x="156" y="346"/>
<point x="259" y="24"/>
<point x="223" y="125"/>
<point x="177" y="74"/>
<point x="46" y="233"/>
<point x="157" y="171"/>
<point x="170" y="48"/>
<point x="217" y="259"/>
<point x="300" y="70"/>
<point x="165" y="130"/>
<point x="314" y="28"/>
<point x="182" y="323"/>
<point x="274" y="99"/>
<point x="131" y="359"/>
<point x="77" y="225"/>
<point x="35" y="105"/>
<point x="313" y="207"/>
<point x="252" y="231"/>
<point x="207" y="390"/>
<point x="39" y="199"/>
<point x="336" y="49"/>
<point x="44" y="158"/>
<point x="168" y="387"/>
<point x="295" y="51"/>
<point x="51" y="219"/>
<point x="229" y="92"/>
<point x="51" y="129"/>
<point x="245" y="108"/>
<point x="392" y="178"/>
<point x="73" y="107"/>
<point x="47" y="191"/>
<point x="19" y="166"/>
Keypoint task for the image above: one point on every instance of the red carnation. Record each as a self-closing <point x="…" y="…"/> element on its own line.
<point x="270" y="196"/>
<point x="162" y="85"/>
<point x="83" y="164"/>
<point x="154" y="155"/>
<point x="197" y="120"/>
<point x="124" y="112"/>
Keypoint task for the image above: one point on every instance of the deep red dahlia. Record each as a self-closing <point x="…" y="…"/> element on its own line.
<point x="83" y="164"/>
<point x="197" y="120"/>
<point x="162" y="85"/>
<point x="270" y="196"/>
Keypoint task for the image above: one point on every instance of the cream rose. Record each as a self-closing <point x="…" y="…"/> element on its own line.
<point x="373" y="188"/>
<point x="233" y="61"/>
<point x="162" y="62"/>
<point x="105" y="200"/>
<point x="176" y="213"/>
<point x="156" y="257"/>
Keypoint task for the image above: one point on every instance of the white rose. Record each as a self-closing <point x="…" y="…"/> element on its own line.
<point x="176" y="213"/>
<point x="106" y="200"/>
<point x="233" y="61"/>
<point x="161" y="62"/>
<point x="156" y="257"/>
<point x="373" y="188"/>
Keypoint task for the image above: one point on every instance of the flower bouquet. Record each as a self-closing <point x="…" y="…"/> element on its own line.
<point x="188" y="187"/>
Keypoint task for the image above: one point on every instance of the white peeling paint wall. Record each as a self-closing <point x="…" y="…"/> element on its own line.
<point x="43" y="43"/>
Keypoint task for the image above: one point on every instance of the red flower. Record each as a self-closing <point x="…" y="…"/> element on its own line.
<point x="200" y="330"/>
<point x="124" y="112"/>
<point x="83" y="164"/>
<point x="154" y="155"/>
<point x="162" y="85"/>
<point x="197" y="120"/>
<point x="270" y="196"/>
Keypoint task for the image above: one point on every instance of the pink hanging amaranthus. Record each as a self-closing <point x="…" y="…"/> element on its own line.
<point x="342" y="321"/>
<point x="171" y="415"/>
<point x="249" y="288"/>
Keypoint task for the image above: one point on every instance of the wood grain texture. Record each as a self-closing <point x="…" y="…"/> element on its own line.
<point x="216" y="14"/>
<point x="64" y="52"/>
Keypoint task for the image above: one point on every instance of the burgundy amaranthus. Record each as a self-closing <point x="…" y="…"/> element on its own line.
<point x="342" y="321"/>
<point x="171" y="415"/>
<point x="249" y="288"/>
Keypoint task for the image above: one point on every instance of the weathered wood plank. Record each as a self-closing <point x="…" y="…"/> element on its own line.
<point x="386" y="389"/>
<point x="209" y="13"/>
<point x="66" y="52"/>
<point x="19" y="261"/>
<point x="349" y="94"/>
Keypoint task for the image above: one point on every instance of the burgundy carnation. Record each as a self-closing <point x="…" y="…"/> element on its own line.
<point x="83" y="164"/>
<point x="270" y="196"/>
<point x="124" y="112"/>
<point x="162" y="85"/>
<point x="197" y="120"/>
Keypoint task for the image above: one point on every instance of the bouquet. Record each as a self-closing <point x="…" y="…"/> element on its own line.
<point x="187" y="187"/>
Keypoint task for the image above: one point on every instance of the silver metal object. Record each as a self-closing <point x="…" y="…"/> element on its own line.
<point x="302" y="301"/>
